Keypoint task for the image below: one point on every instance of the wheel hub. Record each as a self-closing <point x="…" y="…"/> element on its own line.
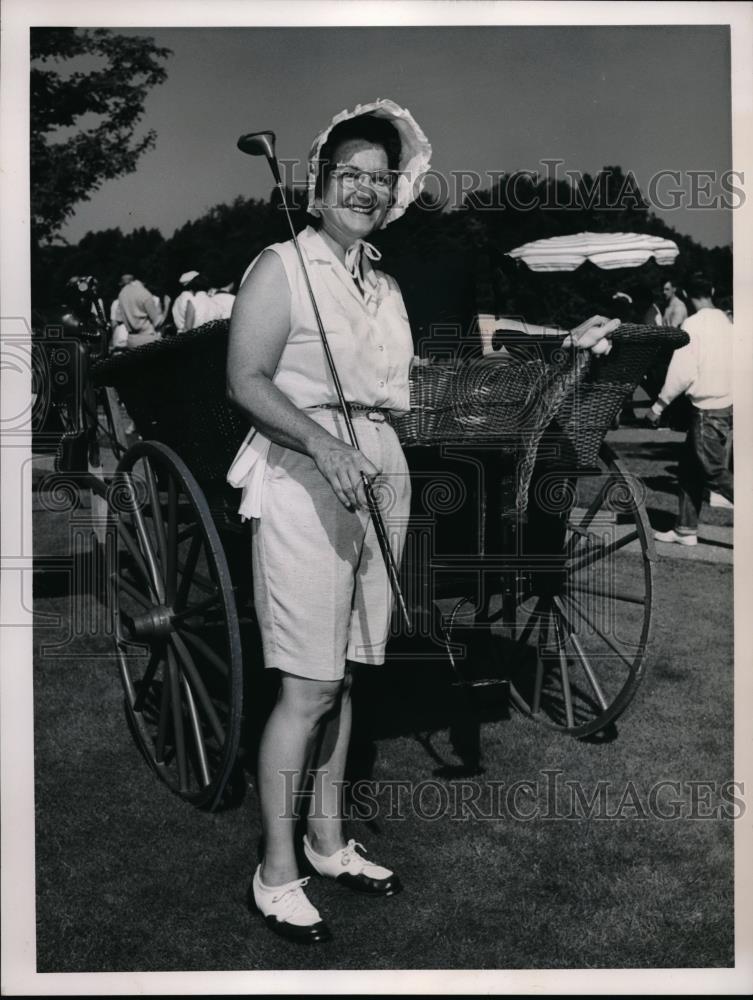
<point x="157" y="622"/>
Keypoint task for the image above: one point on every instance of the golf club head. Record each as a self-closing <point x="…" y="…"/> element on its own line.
<point x="262" y="144"/>
<point x="258" y="144"/>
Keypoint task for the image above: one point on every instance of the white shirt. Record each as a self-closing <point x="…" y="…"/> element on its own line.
<point x="369" y="336"/>
<point x="204" y="309"/>
<point x="223" y="302"/>
<point x="702" y="368"/>
<point x="179" y="309"/>
<point x="116" y="313"/>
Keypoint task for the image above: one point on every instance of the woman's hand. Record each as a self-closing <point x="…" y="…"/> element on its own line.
<point x="341" y="465"/>
<point x="593" y="333"/>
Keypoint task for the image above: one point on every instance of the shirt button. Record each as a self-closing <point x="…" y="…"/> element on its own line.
<point x="381" y="383"/>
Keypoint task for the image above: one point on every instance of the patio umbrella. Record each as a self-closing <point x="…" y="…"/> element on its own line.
<point x="605" y="250"/>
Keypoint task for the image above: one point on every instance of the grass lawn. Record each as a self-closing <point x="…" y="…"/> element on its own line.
<point x="131" y="878"/>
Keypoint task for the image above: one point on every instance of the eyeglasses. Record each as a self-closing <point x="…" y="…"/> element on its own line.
<point x="382" y="180"/>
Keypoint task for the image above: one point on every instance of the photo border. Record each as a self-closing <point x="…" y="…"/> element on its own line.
<point x="16" y="701"/>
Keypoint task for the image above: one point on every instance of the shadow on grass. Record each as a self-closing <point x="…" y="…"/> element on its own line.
<point x="415" y="697"/>
<point x="661" y="484"/>
<point x="712" y="542"/>
<point x="417" y="694"/>
<point x="649" y="451"/>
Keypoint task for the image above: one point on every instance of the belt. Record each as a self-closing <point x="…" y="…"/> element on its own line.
<point x="378" y="414"/>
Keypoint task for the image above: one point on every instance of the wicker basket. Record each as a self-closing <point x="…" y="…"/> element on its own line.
<point x="588" y="412"/>
<point x="490" y="399"/>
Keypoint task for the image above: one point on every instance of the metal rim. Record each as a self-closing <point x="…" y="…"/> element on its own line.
<point x="175" y="622"/>
<point x="570" y="627"/>
<point x="590" y="631"/>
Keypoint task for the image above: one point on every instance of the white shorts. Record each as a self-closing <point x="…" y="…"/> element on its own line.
<point x="321" y="590"/>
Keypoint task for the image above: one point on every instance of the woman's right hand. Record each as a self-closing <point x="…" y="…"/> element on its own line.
<point x="342" y="466"/>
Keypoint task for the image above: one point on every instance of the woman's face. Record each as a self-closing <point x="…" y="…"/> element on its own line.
<point x="358" y="192"/>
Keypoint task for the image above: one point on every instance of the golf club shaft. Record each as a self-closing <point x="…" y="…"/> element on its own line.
<point x="374" y="511"/>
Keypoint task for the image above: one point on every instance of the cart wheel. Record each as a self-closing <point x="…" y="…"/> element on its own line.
<point x="581" y="620"/>
<point x="175" y="624"/>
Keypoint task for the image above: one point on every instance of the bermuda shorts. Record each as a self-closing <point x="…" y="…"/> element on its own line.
<point x="321" y="590"/>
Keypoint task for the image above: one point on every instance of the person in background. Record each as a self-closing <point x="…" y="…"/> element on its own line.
<point x="675" y="310"/>
<point x="162" y="300"/>
<point x="182" y="299"/>
<point x="725" y="305"/>
<point x="83" y="305"/>
<point x="201" y="308"/>
<point x="83" y="313"/>
<point x="646" y="311"/>
<point x="622" y="306"/>
<point x="142" y="315"/>
<point x="223" y="300"/>
<point x="703" y="370"/>
<point x="118" y="328"/>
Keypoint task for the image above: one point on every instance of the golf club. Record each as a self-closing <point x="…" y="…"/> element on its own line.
<point x="263" y="144"/>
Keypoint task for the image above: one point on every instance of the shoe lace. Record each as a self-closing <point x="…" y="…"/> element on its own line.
<point x="350" y="854"/>
<point x="292" y="898"/>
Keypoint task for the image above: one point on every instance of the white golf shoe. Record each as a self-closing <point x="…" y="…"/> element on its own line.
<point x="674" y="536"/>
<point x="287" y="910"/>
<point x="350" y="868"/>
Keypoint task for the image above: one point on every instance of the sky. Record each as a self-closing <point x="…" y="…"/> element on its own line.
<point x="500" y="98"/>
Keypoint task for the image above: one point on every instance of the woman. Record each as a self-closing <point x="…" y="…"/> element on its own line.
<point x="320" y="587"/>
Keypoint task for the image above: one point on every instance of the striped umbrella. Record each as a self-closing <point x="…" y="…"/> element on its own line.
<point x="605" y="250"/>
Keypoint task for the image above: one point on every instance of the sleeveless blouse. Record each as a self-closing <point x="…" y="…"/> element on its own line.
<point x="369" y="337"/>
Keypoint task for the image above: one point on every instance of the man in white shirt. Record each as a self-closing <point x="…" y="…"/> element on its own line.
<point x="182" y="299"/>
<point x="140" y="312"/>
<point x="703" y="370"/>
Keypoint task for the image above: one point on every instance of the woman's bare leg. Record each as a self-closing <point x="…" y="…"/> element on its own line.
<point x="325" y="817"/>
<point x="287" y="744"/>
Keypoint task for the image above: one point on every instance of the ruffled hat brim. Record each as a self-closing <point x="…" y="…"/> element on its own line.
<point x="415" y="155"/>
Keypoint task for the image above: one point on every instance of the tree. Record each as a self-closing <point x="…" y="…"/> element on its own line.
<point x="70" y="158"/>
<point x="449" y="264"/>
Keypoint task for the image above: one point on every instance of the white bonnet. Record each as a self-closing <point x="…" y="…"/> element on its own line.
<point x="415" y="153"/>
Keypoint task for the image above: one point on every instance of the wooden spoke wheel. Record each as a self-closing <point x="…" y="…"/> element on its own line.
<point x="571" y="629"/>
<point x="582" y="618"/>
<point x="175" y="624"/>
